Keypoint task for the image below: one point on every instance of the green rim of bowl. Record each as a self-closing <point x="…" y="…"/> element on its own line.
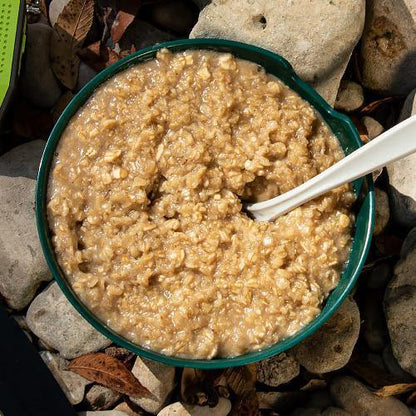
<point x="340" y="124"/>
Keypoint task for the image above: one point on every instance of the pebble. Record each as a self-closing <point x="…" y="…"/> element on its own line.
<point x="277" y="370"/>
<point x="297" y="30"/>
<point x="393" y="367"/>
<point x="399" y="307"/>
<point x="382" y="211"/>
<point x="358" y="400"/>
<point x="72" y="384"/>
<point x="142" y="34"/>
<point x="38" y="83"/>
<point x="101" y="398"/>
<point x="23" y="267"/>
<point x="374" y="128"/>
<point x="158" y="378"/>
<point x="388" y="45"/>
<point x="177" y="16"/>
<point x="402" y="177"/>
<point x="374" y="326"/>
<point x="86" y="74"/>
<point x="53" y="319"/>
<point x="331" y="346"/>
<point x="103" y="413"/>
<point x="350" y="96"/>
<point x="379" y="276"/>
<point x="178" y="409"/>
<point x="409" y="243"/>
<point x="281" y="401"/>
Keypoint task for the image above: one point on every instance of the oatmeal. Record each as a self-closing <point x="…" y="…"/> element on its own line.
<point x="145" y="211"/>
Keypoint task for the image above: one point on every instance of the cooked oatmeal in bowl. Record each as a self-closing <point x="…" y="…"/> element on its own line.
<point x="144" y="206"/>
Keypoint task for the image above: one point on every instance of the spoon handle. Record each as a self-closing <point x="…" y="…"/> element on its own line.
<point x="394" y="144"/>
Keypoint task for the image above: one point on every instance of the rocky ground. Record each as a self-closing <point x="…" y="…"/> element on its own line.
<point x="361" y="56"/>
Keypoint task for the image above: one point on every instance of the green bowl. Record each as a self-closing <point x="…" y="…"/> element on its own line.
<point x="340" y="125"/>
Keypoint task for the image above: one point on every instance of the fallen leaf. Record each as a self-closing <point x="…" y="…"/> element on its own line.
<point x="241" y="379"/>
<point x="127" y="11"/>
<point x="62" y="102"/>
<point x="110" y="372"/>
<point x="411" y="401"/>
<point x="396" y="389"/>
<point x="98" y="56"/>
<point x="70" y="31"/>
<point x="373" y="106"/>
<point x="198" y="386"/>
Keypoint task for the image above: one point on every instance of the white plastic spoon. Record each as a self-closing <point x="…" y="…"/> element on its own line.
<point x="394" y="144"/>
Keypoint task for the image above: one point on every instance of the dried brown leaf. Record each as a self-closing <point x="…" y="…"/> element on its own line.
<point x="198" y="386"/>
<point x="63" y="101"/>
<point x="70" y="31"/>
<point x="110" y="372"/>
<point x="396" y="389"/>
<point x="98" y="56"/>
<point x="372" y="374"/>
<point x="375" y="105"/>
<point x="241" y="379"/>
<point x="411" y="400"/>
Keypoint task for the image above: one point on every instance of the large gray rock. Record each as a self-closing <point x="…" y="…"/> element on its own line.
<point x="158" y="378"/>
<point x="400" y="307"/>
<point x="38" y="82"/>
<point x="22" y="265"/>
<point x="331" y="346"/>
<point x="402" y="177"/>
<point x="388" y="47"/>
<point x="358" y="400"/>
<point x="374" y="326"/>
<point x="72" y="384"/>
<point x="178" y="409"/>
<point x="317" y="37"/>
<point x="277" y="370"/>
<point x="53" y="319"/>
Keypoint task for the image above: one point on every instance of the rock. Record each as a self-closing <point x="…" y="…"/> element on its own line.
<point x="53" y="319"/>
<point x="86" y="74"/>
<point x="388" y="47"/>
<point x="22" y="264"/>
<point x="178" y="16"/>
<point x="399" y="307"/>
<point x="409" y="106"/>
<point x="282" y="402"/>
<point x="374" y="327"/>
<point x="393" y="367"/>
<point x="374" y="128"/>
<point x="297" y="30"/>
<point x="330" y="411"/>
<point x="335" y="411"/>
<point x="178" y="409"/>
<point x="382" y="211"/>
<point x="158" y="378"/>
<point x="331" y="346"/>
<point x="103" y="413"/>
<point x="142" y="34"/>
<point x="201" y="3"/>
<point x="379" y="276"/>
<point x="355" y="398"/>
<point x="277" y="370"/>
<point x="319" y="399"/>
<point x="408" y="244"/>
<point x="402" y="176"/>
<point x="350" y="96"/>
<point x="101" y="398"/>
<point x="37" y="81"/>
<point x="72" y="384"/>
<point x="124" y="407"/>
<point x="55" y="9"/>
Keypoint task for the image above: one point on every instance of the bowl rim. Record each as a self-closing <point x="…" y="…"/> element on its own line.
<point x="43" y="227"/>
